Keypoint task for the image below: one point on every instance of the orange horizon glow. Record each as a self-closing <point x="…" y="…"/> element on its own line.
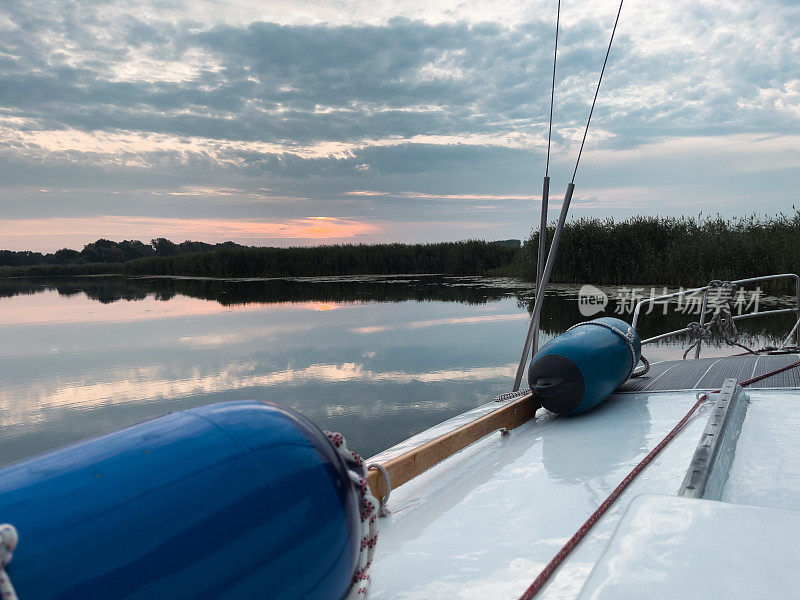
<point x="59" y="232"/>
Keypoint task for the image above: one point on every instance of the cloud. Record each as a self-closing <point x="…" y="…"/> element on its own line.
<point x="154" y="110"/>
<point x="428" y="196"/>
<point x="313" y="89"/>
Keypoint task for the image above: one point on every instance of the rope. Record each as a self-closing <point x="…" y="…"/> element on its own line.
<point x="382" y="510"/>
<point x="791" y="334"/>
<point x="723" y="319"/>
<point x="747" y="382"/>
<point x="512" y="395"/>
<point x="699" y="333"/>
<point x="626" y="336"/>
<point x="548" y="571"/>
<point x="539" y="582"/>
<point x="8" y="542"/>
<point x="368" y="508"/>
<point x="646" y="368"/>
<point x="552" y="94"/>
<point x="597" y="91"/>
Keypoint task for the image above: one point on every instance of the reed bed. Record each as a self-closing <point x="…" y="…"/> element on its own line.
<point x="685" y="251"/>
<point x="454" y="258"/>
<point x="676" y="251"/>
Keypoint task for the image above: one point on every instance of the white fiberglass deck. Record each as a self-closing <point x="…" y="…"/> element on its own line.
<point x="668" y="547"/>
<point x="766" y="466"/>
<point x="483" y="523"/>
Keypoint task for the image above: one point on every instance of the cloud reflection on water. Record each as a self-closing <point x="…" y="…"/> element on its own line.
<point x="144" y="384"/>
<point x="437" y="322"/>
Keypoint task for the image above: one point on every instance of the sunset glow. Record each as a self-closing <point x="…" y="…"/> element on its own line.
<point x="54" y="233"/>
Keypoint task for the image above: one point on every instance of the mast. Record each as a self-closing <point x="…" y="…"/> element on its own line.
<point x="545" y="190"/>
<point x="533" y="329"/>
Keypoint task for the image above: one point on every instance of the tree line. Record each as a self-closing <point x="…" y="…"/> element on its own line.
<point x="107" y="251"/>
<point x="163" y="257"/>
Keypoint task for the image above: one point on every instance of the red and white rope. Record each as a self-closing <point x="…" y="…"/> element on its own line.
<point x="551" y="567"/>
<point x="368" y="507"/>
<point x="8" y="542"/>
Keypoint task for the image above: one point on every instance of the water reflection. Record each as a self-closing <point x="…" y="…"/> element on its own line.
<point x="317" y="293"/>
<point x="378" y="358"/>
<point x="470" y="290"/>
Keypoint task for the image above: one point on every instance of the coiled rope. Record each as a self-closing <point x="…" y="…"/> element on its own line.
<point x="551" y="567"/>
<point x="368" y="508"/>
<point x="723" y="319"/>
<point x="8" y="542"/>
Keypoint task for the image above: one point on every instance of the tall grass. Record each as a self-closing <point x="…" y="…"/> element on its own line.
<point x="658" y="250"/>
<point x="454" y="258"/>
<point x="62" y="270"/>
<point x="676" y="251"/>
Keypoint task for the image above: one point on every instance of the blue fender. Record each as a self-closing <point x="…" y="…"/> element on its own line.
<point x="577" y="370"/>
<point x="231" y="500"/>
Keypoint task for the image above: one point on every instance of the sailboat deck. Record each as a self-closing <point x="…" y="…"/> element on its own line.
<point x="709" y="373"/>
<point x="485" y="521"/>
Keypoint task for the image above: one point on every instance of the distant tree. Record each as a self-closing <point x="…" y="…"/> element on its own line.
<point x="64" y="256"/>
<point x="105" y="251"/>
<point x="133" y="249"/>
<point x="190" y="246"/>
<point x="18" y="259"/>
<point x="163" y="247"/>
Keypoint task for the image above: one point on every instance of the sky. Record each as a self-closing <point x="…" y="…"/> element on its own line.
<point x="362" y="121"/>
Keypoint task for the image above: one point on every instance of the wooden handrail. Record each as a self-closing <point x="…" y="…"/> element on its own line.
<point x="408" y="465"/>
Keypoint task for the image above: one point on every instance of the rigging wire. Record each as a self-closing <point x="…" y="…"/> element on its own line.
<point x="597" y="90"/>
<point x="541" y="285"/>
<point x="542" y="255"/>
<point x="552" y="92"/>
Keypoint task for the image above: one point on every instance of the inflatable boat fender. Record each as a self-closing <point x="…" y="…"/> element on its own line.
<point x="231" y="500"/>
<point x="579" y="369"/>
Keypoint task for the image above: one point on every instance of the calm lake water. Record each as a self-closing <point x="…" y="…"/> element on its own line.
<point x="376" y="358"/>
